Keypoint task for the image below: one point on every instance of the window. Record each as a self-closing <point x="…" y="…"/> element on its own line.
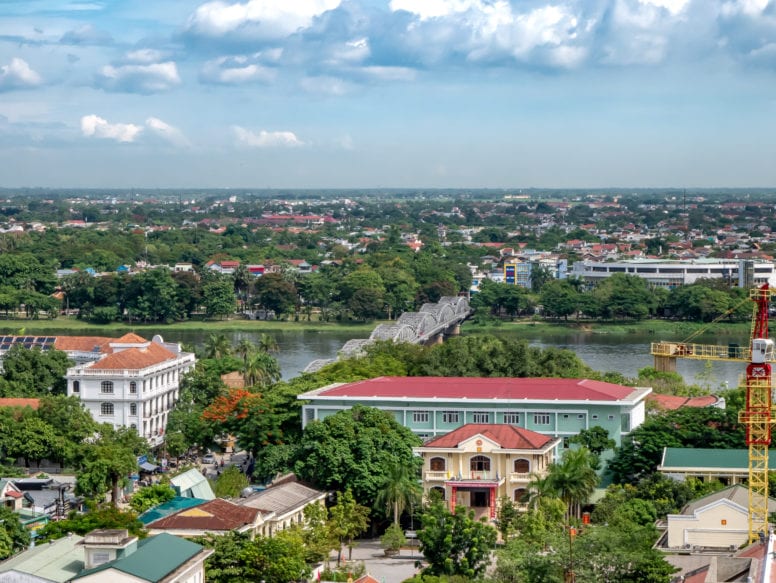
<point x="420" y="416"/>
<point x="522" y="466"/>
<point x="106" y="387"/>
<point x="480" y="417"/>
<point x="566" y="443"/>
<point x="133" y="387"/>
<point x="76" y="386"/>
<point x="611" y="417"/>
<point x="133" y="408"/>
<point x="581" y="416"/>
<point x="479" y="463"/>
<point x="520" y="495"/>
<point x="512" y="418"/>
<point x="437" y="464"/>
<point x="451" y="417"/>
<point x="541" y="418"/>
<point x="106" y="409"/>
<point x="595" y="416"/>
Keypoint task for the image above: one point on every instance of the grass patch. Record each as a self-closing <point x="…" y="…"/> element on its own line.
<point x="24" y="326"/>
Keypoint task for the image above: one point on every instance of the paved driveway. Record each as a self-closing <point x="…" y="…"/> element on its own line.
<point x="385" y="569"/>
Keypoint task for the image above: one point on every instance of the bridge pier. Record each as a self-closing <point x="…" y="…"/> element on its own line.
<point x="454" y="330"/>
<point x="439" y="338"/>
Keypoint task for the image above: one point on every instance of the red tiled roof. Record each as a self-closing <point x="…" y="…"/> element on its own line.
<point x="19" y="402"/>
<point x="672" y="402"/>
<point x="482" y="388"/>
<point x="506" y="436"/>
<point x="134" y="358"/>
<point x="130" y="338"/>
<point x="214" y="515"/>
<point x="83" y="343"/>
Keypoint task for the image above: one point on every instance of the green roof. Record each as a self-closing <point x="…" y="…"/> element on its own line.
<point x="57" y="561"/>
<point x="155" y="558"/>
<point x="708" y="458"/>
<point x="169" y="507"/>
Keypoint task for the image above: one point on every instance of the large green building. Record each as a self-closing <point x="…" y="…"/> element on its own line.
<point x="432" y="406"/>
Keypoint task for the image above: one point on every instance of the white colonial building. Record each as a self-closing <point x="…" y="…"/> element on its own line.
<point x="127" y="381"/>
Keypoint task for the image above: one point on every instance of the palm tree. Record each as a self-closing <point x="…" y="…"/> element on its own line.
<point x="244" y="349"/>
<point x="574" y="478"/>
<point x="217" y="346"/>
<point x="261" y="369"/>
<point x="267" y="343"/>
<point x="399" y="489"/>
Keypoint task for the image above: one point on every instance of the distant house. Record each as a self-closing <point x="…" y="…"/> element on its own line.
<point x="283" y="504"/>
<point x="192" y="484"/>
<point x="729" y="466"/>
<point x="717" y="521"/>
<point x="476" y="465"/>
<point x="217" y="516"/>
<point x="109" y="555"/>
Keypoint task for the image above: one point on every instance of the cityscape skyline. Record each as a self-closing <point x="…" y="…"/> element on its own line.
<point x="388" y="93"/>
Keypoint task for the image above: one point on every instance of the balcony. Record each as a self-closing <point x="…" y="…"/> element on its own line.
<point x="519" y="477"/>
<point x="436" y="476"/>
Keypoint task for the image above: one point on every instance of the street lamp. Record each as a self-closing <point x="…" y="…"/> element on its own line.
<point x="570" y="576"/>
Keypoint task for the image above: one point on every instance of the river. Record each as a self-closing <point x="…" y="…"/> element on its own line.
<point x="622" y="353"/>
<point x="602" y="352"/>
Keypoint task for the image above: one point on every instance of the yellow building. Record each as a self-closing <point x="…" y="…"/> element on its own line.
<point x="477" y="464"/>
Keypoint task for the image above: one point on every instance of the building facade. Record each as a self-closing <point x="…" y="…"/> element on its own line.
<point x="477" y="465"/>
<point x="433" y="406"/>
<point x="673" y="273"/>
<point x="129" y="381"/>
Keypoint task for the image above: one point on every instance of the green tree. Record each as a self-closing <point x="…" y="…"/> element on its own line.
<point x="354" y="450"/>
<point x="32" y="372"/>
<point x="318" y="538"/>
<point x="275" y="293"/>
<point x="108" y="461"/>
<point x="400" y="490"/>
<point x="217" y="346"/>
<point x="230" y="483"/>
<point x="97" y="517"/>
<point x="347" y="520"/>
<point x="454" y="544"/>
<point x="574" y="478"/>
<point x="14" y="537"/>
<point x="218" y="298"/>
<point x="559" y="299"/>
<point x="151" y="496"/>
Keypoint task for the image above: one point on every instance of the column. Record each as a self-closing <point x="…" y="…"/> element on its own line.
<point x="492" y="502"/>
<point x="453" y="494"/>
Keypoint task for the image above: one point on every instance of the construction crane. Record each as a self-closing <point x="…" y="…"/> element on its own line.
<point x="758" y="415"/>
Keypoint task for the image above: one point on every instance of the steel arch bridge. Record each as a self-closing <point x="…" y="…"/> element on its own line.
<point x="425" y="326"/>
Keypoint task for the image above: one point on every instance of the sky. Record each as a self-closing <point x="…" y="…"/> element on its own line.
<point x="387" y="93"/>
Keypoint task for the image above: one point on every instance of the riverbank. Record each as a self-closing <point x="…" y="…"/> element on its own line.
<point x="658" y="328"/>
<point x="45" y="326"/>
<point x="532" y="328"/>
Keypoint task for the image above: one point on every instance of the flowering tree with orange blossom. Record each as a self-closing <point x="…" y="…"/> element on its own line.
<point x="248" y="416"/>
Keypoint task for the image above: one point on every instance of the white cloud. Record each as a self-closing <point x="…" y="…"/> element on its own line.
<point x="427" y="9"/>
<point x="673" y="6"/>
<point x="745" y="7"/>
<point x="136" y="78"/>
<point x="144" y="56"/>
<point x="166" y="132"/>
<point x="389" y="73"/>
<point x="95" y="126"/>
<point x="325" y="85"/>
<point x="265" y="139"/>
<point x="235" y="70"/>
<point x="272" y="18"/>
<point x="18" y="75"/>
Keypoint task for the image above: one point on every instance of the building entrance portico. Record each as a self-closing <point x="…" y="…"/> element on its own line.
<point x="478" y="495"/>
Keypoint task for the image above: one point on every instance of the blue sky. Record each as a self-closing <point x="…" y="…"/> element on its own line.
<point x="388" y="93"/>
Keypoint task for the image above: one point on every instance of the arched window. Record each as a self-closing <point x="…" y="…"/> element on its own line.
<point x="76" y="386"/>
<point x="106" y="387"/>
<point x="437" y="464"/>
<point x="522" y="466"/>
<point x="106" y="409"/>
<point x="520" y="495"/>
<point x="133" y="408"/>
<point x="438" y="491"/>
<point x="133" y="426"/>
<point x="133" y="387"/>
<point x="479" y="463"/>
